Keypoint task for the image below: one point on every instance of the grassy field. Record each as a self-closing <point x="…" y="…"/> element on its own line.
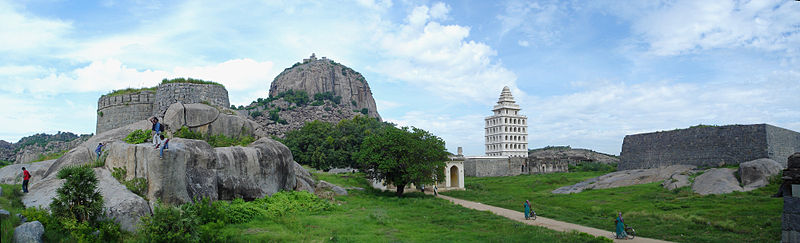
<point x="653" y="211"/>
<point x="371" y="216"/>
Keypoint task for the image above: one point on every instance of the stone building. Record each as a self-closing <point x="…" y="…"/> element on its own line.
<point x="708" y="146"/>
<point x="114" y="111"/>
<point x="506" y="129"/>
<point x="453" y="177"/>
<point x="492" y="166"/>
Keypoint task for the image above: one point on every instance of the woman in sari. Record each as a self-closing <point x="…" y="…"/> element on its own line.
<point x="527" y="206"/>
<point x="620" y="227"/>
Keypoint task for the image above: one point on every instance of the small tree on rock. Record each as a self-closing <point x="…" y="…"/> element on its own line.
<point x="400" y="156"/>
<point x="78" y="198"/>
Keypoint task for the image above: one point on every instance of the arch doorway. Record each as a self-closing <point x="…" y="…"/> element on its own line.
<point x="454" y="176"/>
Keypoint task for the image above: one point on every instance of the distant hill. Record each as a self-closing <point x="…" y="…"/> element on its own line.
<point x="571" y="155"/>
<point x="31" y="147"/>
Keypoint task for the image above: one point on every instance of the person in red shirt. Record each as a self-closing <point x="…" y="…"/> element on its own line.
<point x="25" y="177"/>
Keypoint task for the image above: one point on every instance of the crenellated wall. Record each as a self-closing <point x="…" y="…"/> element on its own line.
<point x="188" y="93"/>
<point x="120" y="110"/>
<point x="708" y="146"/>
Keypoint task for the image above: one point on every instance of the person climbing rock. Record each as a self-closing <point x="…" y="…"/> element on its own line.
<point x="164" y="142"/>
<point x="99" y="149"/>
<point x="157" y="129"/>
<point x="26" y="176"/>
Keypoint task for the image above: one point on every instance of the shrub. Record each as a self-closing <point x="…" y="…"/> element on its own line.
<point x="318" y="103"/>
<point x="184" y="132"/>
<point x="292" y="202"/>
<point x="137" y="185"/>
<point x="282" y="121"/>
<point x="364" y="111"/>
<point x="328" y="108"/>
<point x="225" y="141"/>
<point x="169" y="224"/>
<point x="54" y="155"/>
<point x="189" y="80"/>
<point x="100" y="113"/>
<point x="353" y="102"/>
<point x="273" y="114"/>
<point x="78" y="198"/>
<point x="138" y="136"/>
<point x="255" y="114"/>
<point x="239" y="211"/>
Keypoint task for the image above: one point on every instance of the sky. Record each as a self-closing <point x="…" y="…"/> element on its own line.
<point x="585" y="73"/>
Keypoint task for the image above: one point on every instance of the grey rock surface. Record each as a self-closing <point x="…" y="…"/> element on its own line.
<point x="12" y="174"/>
<point x="210" y="120"/>
<point x="324" y="185"/>
<point x="29" y="232"/>
<point x="4" y="214"/>
<point x="755" y="174"/>
<point x="716" y="181"/>
<point x="304" y="181"/>
<point x="626" y="178"/>
<point x="676" y="181"/>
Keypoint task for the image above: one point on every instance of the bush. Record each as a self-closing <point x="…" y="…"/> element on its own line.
<point x="353" y="102"/>
<point x="78" y="198"/>
<point x="364" y="111"/>
<point x="225" y="141"/>
<point x="184" y="132"/>
<point x="239" y="211"/>
<point x="255" y="114"/>
<point x="189" y="80"/>
<point x="273" y="114"/>
<point x="318" y="103"/>
<point x="137" y="185"/>
<point x="292" y="202"/>
<point x="169" y="224"/>
<point x="138" y="136"/>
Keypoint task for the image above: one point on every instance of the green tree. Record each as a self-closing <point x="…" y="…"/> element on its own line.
<point x="400" y="156"/>
<point x="324" y="145"/>
<point x="78" y="198"/>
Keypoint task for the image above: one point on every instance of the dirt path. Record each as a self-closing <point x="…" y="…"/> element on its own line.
<point x="542" y="221"/>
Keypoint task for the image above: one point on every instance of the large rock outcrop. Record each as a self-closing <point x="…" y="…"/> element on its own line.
<point x="716" y="181"/>
<point x="570" y="155"/>
<point x="12" y="174"/>
<point x="324" y="75"/>
<point x="209" y="120"/>
<point x="626" y="178"/>
<point x="30" y="232"/>
<point x="192" y="169"/>
<point x="756" y="173"/>
<point x="30" y="148"/>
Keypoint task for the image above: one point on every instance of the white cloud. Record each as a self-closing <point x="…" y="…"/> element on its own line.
<point x="523" y="43"/>
<point x="690" y="26"/>
<point x="539" y="22"/>
<point x="457" y="131"/>
<point x="22" y="33"/>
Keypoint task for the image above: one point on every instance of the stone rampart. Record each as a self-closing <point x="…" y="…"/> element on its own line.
<point x="120" y="110"/>
<point x="708" y="146"/>
<point x="189" y="93"/>
<point x="493" y="166"/>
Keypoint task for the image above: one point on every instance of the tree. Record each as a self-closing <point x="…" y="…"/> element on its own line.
<point x="400" y="156"/>
<point x="324" y="145"/>
<point x="78" y="198"/>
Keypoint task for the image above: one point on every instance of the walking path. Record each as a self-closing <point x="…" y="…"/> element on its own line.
<point x="542" y="221"/>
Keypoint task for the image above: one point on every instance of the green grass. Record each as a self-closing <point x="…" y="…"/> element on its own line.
<point x="653" y="211"/>
<point x="372" y="216"/>
<point x="11" y="201"/>
<point x="128" y="91"/>
<point x="189" y="80"/>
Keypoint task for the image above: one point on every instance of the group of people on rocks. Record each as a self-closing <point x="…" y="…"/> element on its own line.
<point x="619" y="222"/>
<point x="160" y="142"/>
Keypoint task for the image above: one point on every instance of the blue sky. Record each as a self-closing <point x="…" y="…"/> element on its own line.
<point x="586" y="73"/>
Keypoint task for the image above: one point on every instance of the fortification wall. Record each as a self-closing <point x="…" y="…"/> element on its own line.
<point x="782" y="143"/>
<point x="120" y="110"/>
<point x="188" y="93"/>
<point x="493" y="166"/>
<point x="707" y="146"/>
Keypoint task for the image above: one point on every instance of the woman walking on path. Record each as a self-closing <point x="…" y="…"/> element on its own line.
<point x="620" y="227"/>
<point x="527" y="206"/>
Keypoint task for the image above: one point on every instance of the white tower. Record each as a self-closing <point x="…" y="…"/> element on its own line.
<point x="506" y="129"/>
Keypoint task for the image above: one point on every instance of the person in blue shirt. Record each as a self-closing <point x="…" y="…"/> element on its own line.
<point x="99" y="149"/>
<point x="157" y="128"/>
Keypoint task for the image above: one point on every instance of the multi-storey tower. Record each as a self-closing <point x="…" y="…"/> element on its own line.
<point x="506" y="129"/>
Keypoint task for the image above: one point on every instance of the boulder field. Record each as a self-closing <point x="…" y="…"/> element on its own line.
<point x="189" y="169"/>
<point x="754" y="174"/>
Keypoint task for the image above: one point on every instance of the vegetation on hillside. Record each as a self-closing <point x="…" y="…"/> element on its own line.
<point x="325" y="145"/>
<point x="400" y="156"/>
<point x="138" y="136"/>
<point x="41" y="139"/>
<point x="654" y="212"/>
<point x="189" y="80"/>
<point x="54" y="155"/>
<point x="593" y="166"/>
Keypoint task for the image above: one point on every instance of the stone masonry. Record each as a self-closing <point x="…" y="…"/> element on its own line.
<point x="491" y="166"/>
<point x="708" y="146"/>
<point x="120" y="110"/>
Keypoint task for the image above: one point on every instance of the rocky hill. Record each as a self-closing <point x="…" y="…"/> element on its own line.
<point x="315" y="89"/>
<point x="316" y="76"/>
<point x="31" y="147"/>
<point x="571" y="155"/>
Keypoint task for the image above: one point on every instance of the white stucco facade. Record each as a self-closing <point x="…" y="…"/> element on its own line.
<point x="506" y="129"/>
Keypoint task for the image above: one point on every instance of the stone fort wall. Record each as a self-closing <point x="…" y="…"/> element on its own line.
<point x="510" y="166"/>
<point x="708" y="146"/>
<point x="120" y="110"/>
<point x="189" y="93"/>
